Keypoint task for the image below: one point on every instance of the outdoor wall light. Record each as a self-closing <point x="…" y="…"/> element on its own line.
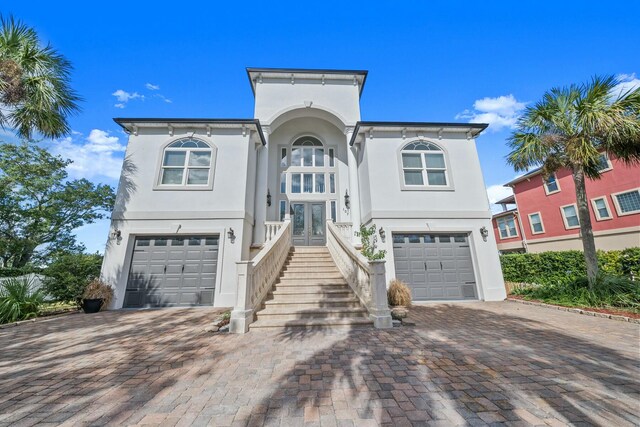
<point x="231" y="234"/>
<point x="382" y="234"/>
<point x="484" y="233"/>
<point x="268" y="197"/>
<point x="347" y="203"/>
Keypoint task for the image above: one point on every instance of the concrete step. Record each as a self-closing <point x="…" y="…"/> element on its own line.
<point x="323" y="323"/>
<point x="319" y="292"/>
<point x="310" y="275"/>
<point x="312" y="283"/>
<point x="313" y="269"/>
<point x="285" y="313"/>
<point x="310" y="249"/>
<point x="295" y="304"/>
<point x="310" y="262"/>
<point x="310" y="258"/>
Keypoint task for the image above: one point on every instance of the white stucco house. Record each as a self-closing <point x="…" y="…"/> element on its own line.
<point x="212" y="211"/>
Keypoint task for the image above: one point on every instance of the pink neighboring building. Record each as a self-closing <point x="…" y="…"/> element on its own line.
<point x="542" y="215"/>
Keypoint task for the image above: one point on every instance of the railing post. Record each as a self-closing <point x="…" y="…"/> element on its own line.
<point x="242" y="314"/>
<point x="379" y="311"/>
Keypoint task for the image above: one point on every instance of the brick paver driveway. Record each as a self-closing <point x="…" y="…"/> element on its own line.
<point x="462" y="364"/>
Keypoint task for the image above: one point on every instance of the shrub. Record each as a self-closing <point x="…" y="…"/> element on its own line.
<point x="19" y="299"/>
<point x="398" y="294"/>
<point x="15" y="272"/>
<point x="369" y="239"/>
<point x="97" y="289"/>
<point x="609" y="291"/>
<point x="564" y="267"/>
<point x="68" y="274"/>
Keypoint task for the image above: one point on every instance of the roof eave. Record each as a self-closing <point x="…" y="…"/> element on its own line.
<point x="478" y="127"/>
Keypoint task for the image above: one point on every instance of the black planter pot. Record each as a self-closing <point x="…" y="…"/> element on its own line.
<point x="91" y="305"/>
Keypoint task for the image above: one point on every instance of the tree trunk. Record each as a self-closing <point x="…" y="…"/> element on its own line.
<point x="586" y="231"/>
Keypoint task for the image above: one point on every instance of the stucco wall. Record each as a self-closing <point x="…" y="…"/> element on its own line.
<point x="142" y="209"/>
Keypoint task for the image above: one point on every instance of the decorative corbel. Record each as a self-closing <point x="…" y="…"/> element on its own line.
<point x="371" y="134"/>
<point x="135" y="130"/>
<point x="468" y="135"/>
<point x="260" y="78"/>
<point x="355" y="81"/>
<point x="404" y="133"/>
<point x="440" y="133"/>
<point x="244" y="130"/>
<point x="170" y="130"/>
<point x="293" y="79"/>
<point x="209" y="131"/>
<point x="323" y="80"/>
<point x="420" y="136"/>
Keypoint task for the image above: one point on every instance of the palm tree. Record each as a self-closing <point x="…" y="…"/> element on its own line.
<point x="35" y="95"/>
<point x="569" y="128"/>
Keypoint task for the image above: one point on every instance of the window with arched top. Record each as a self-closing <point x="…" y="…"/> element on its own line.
<point x="424" y="165"/>
<point x="307" y="151"/>
<point x="187" y="162"/>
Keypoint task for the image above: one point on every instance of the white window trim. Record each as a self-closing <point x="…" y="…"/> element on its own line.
<point x="541" y="223"/>
<point x="596" y="212"/>
<point x="564" y="218"/>
<point x="617" y="205"/>
<point x="515" y="224"/>
<point x="544" y="184"/>
<point x="158" y="186"/>
<point x="425" y="186"/>
<point x="609" y="164"/>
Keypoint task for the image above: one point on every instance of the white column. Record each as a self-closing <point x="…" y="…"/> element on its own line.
<point x="260" y="201"/>
<point x="354" y="189"/>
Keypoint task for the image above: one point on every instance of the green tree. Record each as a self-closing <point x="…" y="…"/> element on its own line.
<point x="569" y="128"/>
<point x="40" y="208"/>
<point x="68" y="274"/>
<point x="34" y="83"/>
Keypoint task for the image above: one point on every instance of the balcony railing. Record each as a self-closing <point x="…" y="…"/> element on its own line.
<point x="366" y="278"/>
<point x="257" y="277"/>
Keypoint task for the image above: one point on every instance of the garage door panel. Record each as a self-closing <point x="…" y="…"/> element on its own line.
<point x="168" y="271"/>
<point x="447" y="259"/>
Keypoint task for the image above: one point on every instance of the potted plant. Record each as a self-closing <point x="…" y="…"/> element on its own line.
<point x="96" y="295"/>
<point x="399" y="298"/>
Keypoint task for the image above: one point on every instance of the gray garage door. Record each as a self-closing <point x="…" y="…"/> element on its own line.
<point x="435" y="266"/>
<point x="172" y="271"/>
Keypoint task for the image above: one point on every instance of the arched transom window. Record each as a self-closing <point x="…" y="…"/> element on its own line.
<point x="423" y="165"/>
<point x="186" y="162"/>
<point x="307" y="151"/>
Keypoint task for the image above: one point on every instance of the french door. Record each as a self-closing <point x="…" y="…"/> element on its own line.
<point x="309" y="223"/>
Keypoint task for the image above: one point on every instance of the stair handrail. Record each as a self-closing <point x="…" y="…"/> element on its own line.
<point x="366" y="278"/>
<point x="257" y="276"/>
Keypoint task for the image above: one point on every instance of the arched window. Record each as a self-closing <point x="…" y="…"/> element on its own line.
<point x="186" y="162"/>
<point x="423" y="165"/>
<point x="307" y="151"/>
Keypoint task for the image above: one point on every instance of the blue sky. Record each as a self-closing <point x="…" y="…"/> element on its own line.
<point x="427" y="61"/>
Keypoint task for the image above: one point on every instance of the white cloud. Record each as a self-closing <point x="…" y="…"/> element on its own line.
<point x="627" y="82"/>
<point x="496" y="193"/>
<point x="164" y="98"/>
<point x="152" y="86"/>
<point x="98" y="155"/>
<point x="501" y="112"/>
<point x="124" y="97"/>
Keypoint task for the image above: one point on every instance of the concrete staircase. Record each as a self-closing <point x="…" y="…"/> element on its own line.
<point x="311" y="293"/>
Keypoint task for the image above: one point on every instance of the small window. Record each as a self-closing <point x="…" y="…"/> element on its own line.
<point x="428" y="238"/>
<point x="283" y="183"/>
<point x="283" y="209"/>
<point x="507" y="227"/>
<point x="307" y="183"/>
<point x="414" y="238"/>
<point x="570" y="216"/>
<point x="627" y="203"/>
<point x="295" y="183"/>
<point x="601" y="209"/>
<point x="444" y="239"/>
<point x="211" y="241"/>
<point x="398" y="238"/>
<point x="178" y="241"/>
<point x="160" y="242"/>
<point x="551" y="184"/>
<point x="423" y="165"/>
<point x="460" y="239"/>
<point x="143" y="242"/>
<point x="535" y="219"/>
<point x="194" y="241"/>
<point x="307" y="180"/>
<point x="603" y="163"/>
<point x="283" y="158"/>
<point x="319" y="183"/>
<point x="332" y="183"/>
<point x="333" y="211"/>
<point x="332" y="161"/>
<point x="186" y="162"/>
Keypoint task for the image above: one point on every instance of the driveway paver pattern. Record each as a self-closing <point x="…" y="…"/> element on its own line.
<point x="461" y="364"/>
